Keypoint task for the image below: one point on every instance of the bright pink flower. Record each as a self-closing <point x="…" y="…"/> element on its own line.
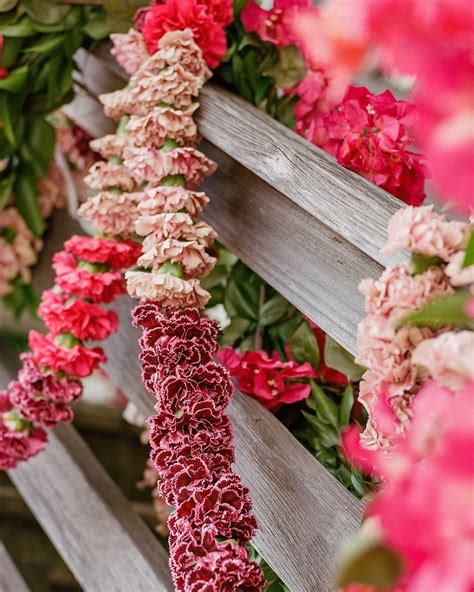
<point x="370" y="134"/>
<point x="269" y="380"/>
<point x="84" y="320"/>
<point x="3" y="71"/>
<point x="78" y="361"/>
<point x="425" y="504"/>
<point x="98" y="287"/>
<point x="116" y="255"/>
<point x="273" y="25"/>
<point x="175" y="15"/>
<point x="470" y="308"/>
<point x="222" y="11"/>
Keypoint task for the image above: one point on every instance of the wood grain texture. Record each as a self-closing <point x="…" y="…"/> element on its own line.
<point x="305" y="514"/>
<point x="10" y="578"/>
<point x="84" y="514"/>
<point x="345" y="202"/>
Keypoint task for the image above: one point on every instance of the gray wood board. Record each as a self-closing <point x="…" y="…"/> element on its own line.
<point x="84" y="514"/>
<point x="305" y="514"/>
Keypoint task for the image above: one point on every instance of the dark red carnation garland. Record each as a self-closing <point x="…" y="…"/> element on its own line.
<point x="87" y="274"/>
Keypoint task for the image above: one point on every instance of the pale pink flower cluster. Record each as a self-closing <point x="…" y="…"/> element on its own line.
<point x="172" y="199"/>
<point x="110" y="145"/>
<point x="19" y="249"/>
<point x="164" y="123"/>
<point x="51" y="191"/>
<point x="422" y="230"/>
<point x="107" y="175"/>
<point x="166" y="289"/>
<point x="129" y="50"/>
<point x="400" y="359"/>
<point x="112" y="214"/>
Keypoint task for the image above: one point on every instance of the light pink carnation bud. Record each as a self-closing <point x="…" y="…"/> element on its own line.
<point x="422" y="230"/>
<point x="165" y="289"/>
<point x="172" y="199"/>
<point x="106" y="175"/>
<point x="448" y="358"/>
<point x="129" y="50"/>
<point x="164" y="226"/>
<point x="118" y="103"/>
<point x="164" y="123"/>
<point x="202" y="233"/>
<point x="190" y="254"/>
<point x="110" y="145"/>
<point x="175" y="47"/>
<point x="111" y="214"/>
<point x="459" y="275"/>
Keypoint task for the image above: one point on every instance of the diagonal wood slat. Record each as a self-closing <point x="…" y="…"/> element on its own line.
<point x="10" y="578"/>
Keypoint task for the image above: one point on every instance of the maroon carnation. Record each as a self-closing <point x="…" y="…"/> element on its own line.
<point x="84" y="320"/>
<point x="117" y="255"/>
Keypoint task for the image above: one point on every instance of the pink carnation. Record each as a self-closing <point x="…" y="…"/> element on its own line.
<point x="84" y="320"/>
<point x="370" y="134"/>
<point x="129" y="50"/>
<point x="116" y="255"/>
<point x="457" y="273"/>
<point x="267" y="379"/>
<point x="164" y="123"/>
<point x="110" y="145"/>
<point x="98" y="287"/>
<point x="119" y="103"/>
<point x="77" y="361"/>
<point x="106" y="175"/>
<point x="189" y="254"/>
<point x="153" y="166"/>
<point x="36" y="408"/>
<point x="422" y="230"/>
<point x="273" y="25"/>
<point x="158" y="199"/>
<point x="112" y="214"/>
<point x="166" y="289"/>
<point x="164" y="226"/>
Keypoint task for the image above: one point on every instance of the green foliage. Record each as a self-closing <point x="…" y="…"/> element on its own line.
<point x="304" y="346"/>
<point x="469" y="256"/>
<point x="340" y="359"/>
<point x="120" y="13"/>
<point x="420" y="263"/>
<point x="23" y="298"/>
<point x="441" y="312"/>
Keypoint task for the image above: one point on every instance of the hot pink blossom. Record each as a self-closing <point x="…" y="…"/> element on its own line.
<point x="3" y="71"/>
<point x="115" y="254"/>
<point x="269" y="380"/>
<point x="273" y="25"/>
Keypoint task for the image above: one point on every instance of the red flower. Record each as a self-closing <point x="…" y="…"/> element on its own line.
<point x="176" y="15"/>
<point x="98" y="287"/>
<point x="77" y="361"/>
<point x="117" y="255"/>
<point x="85" y="320"/>
<point x="222" y="11"/>
<point x="370" y="134"/>
<point x="268" y="379"/>
<point x="273" y="25"/>
<point x="3" y="71"/>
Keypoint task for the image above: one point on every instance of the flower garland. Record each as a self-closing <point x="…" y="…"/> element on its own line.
<point x="399" y="356"/>
<point x="191" y="437"/>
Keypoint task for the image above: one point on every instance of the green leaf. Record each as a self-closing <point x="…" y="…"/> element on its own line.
<point x="10" y="52"/>
<point x="326" y="409"/>
<point x="26" y="199"/>
<point x="469" y="257"/>
<point x="6" y="120"/>
<point x="72" y="19"/>
<point x="289" y="70"/>
<point x="420" y="263"/>
<point x="327" y="434"/>
<point x="346" y="405"/>
<point x="450" y="310"/>
<point x="338" y="358"/>
<point x="374" y="565"/>
<point x="46" y="45"/>
<point x="242" y="293"/>
<point x="47" y="13"/>
<point x="38" y="147"/>
<point x="6" y="188"/>
<point x="304" y="346"/>
<point x="22" y="28"/>
<point x="215" y="278"/>
<point x="98" y="27"/>
<point x="273" y="310"/>
<point x="23" y="298"/>
<point x="16" y="80"/>
<point x="234" y="331"/>
<point x="120" y="13"/>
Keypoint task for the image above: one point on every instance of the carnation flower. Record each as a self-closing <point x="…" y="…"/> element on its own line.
<point x="35" y="379"/>
<point x="116" y="255"/>
<point x="164" y="226"/>
<point x="98" y="287"/>
<point x="110" y="145"/>
<point x="119" y="103"/>
<point x="177" y="15"/>
<point x="269" y="380"/>
<point x="166" y="289"/>
<point x="189" y="254"/>
<point x="422" y="230"/>
<point x="129" y="50"/>
<point x="370" y="134"/>
<point x="84" y="320"/>
<point x="112" y="214"/>
<point x="273" y="25"/>
<point x="153" y="166"/>
<point x="106" y="175"/>
<point x="76" y="361"/>
<point x="164" y="123"/>
<point x="36" y="408"/>
<point x="457" y="273"/>
<point x="448" y="358"/>
<point x="158" y="200"/>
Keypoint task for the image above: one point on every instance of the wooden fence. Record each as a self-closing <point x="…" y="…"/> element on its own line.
<point x="312" y="230"/>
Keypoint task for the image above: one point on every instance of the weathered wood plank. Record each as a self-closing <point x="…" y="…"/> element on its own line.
<point x="84" y="514"/>
<point x="345" y="202"/>
<point x="305" y="514"/>
<point x="10" y="578"/>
